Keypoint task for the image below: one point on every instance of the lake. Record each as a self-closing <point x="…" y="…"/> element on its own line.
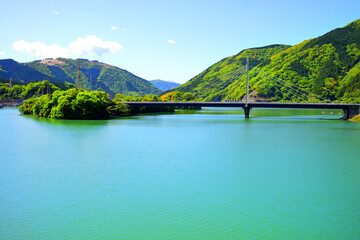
<point x="207" y="174"/>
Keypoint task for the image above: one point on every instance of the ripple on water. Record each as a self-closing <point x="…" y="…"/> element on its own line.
<point x="206" y="175"/>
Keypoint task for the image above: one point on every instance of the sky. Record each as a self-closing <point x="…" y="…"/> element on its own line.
<point x="156" y="39"/>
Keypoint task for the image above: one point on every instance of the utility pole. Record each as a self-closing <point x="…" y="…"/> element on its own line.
<point x="48" y="88"/>
<point x="10" y="82"/>
<point x="247" y="108"/>
<point x="78" y="78"/>
<point x="247" y="82"/>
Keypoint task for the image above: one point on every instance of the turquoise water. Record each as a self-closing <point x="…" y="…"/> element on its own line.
<point x="209" y="174"/>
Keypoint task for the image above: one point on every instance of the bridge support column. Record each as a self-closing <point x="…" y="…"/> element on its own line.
<point x="350" y="112"/>
<point x="247" y="111"/>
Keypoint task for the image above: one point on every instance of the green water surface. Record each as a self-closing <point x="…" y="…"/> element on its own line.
<point x="209" y="174"/>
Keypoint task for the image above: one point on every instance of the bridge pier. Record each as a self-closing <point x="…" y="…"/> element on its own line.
<point x="247" y="111"/>
<point x="350" y="112"/>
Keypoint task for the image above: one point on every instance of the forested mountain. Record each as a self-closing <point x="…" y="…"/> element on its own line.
<point x="211" y="83"/>
<point x="94" y="75"/>
<point x="164" y="85"/>
<point x="328" y="66"/>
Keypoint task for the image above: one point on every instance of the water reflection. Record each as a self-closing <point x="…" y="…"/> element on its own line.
<point x="300" y="114"/>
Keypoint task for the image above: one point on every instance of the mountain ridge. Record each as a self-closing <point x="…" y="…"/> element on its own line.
<point x="327" y="66"/>
<point x="95" y="75"/>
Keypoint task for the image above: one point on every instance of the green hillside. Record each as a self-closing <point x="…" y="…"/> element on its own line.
<point x="211" y="84"/>
<point x="327" y="66"/>
<point x="94" y="75"/>
<point x="20" y="72"/>
<point x="33" y="89"/>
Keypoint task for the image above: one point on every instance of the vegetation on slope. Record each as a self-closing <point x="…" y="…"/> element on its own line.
<point x="211" y="83"/>
<point x="20" y="72"/>
<point x="22" y="91"/>
<point x="94" y="75"/>
<point x="327" y="66"/>
<point x="104" y="77"/>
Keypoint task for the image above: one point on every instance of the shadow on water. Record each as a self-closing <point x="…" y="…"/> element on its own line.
<point x="272" y="114"/>
<point x="233" y="114"/>
<point x="68" y="122"/>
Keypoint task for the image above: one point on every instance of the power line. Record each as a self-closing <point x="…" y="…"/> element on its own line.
<point x="48" y="88"/>
<point x="297" y="90"/>
<point x="294" y="91"/>
<point x="293" y="85"/>
<point x="78" y="77"/>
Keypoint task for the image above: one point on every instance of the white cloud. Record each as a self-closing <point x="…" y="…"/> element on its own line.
<point x="124" y="29"/>
<point x="171" y="41"/>
<point x="56" y="12"/>
<point x="87" y="46"/>
<point x="92" y="44"/>
<point x="39" y="49"/>
<point x="114" y="28"/>
<point x="2" y="53"/>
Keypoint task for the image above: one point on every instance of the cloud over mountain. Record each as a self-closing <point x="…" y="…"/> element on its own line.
<point x="88" y="46"/>
<point x="92" y="44"/>
<point x="39" y="49"/>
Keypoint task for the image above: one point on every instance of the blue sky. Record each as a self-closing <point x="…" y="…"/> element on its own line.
<point x="155" y="39"/>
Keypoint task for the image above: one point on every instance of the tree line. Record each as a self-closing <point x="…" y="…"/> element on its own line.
<point x="81" y="104"/>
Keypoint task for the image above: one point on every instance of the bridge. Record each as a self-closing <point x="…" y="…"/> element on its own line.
<point x="350" y="110"/>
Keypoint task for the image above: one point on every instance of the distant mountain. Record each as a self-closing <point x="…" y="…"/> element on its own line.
<point x="94" y="75"/>
<point x="328" y="66"/>
<point x="164" y="85"/>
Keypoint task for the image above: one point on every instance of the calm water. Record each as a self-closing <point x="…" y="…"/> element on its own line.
<point x="210" y="174"/>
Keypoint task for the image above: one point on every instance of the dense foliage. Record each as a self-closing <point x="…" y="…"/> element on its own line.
<point x="94" y="75"/>
<point x="81" y="104"/>
<point x="120" y="98"/>
<point x="177" y="96"/>
<point x="146" y="98"/>
<point x="71" y="104"/>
